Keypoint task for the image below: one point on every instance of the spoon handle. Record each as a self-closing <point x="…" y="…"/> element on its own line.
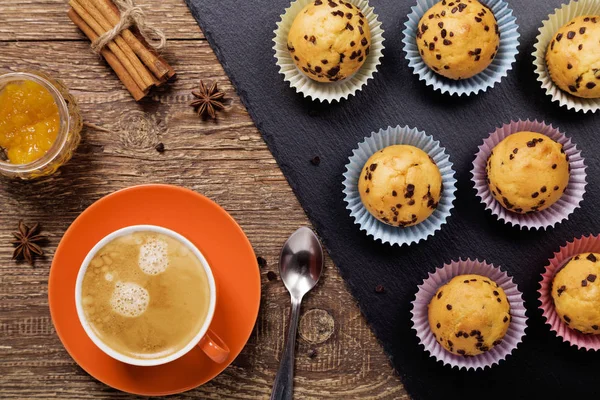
<point x="283" y="387"/>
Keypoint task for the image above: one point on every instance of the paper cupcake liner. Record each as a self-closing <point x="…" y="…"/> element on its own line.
<point x="585" y="244"/>
<point x="327" y="91"/>
<point x="420" y="320"/>
<point x="498" y="69"/>
<point x="379" y="230"/>
<point x="549" y="27"/>
<point x="552" y="215"/>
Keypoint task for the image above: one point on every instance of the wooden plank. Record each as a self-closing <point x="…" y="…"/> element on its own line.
<point x="46" y="20"/>
<point x="209" y="157"/>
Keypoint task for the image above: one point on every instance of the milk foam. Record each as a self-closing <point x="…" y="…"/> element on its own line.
<point x="129" y="299"/>
<point x="153" y="257"/>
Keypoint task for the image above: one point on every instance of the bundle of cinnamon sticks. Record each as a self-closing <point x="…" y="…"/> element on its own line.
<point x="136" y="63"/>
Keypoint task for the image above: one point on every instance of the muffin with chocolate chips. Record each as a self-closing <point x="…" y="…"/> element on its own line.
<point x="527" y="172"/>
<point x="458" y="39"/>
<point x="469" y="315"/>
<point x="400" y="185"/>
<point x="573" y="57"/>
<point x="576" y="293"/>
<point x="329" y="40"/>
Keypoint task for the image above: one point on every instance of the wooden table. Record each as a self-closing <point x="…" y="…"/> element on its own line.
<point x="227" y="160"/>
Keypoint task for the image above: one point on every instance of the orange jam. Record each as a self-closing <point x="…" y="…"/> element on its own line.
<point x="29" y="121"/>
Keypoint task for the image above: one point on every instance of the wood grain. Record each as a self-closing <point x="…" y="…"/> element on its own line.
<point x="227" y="160"/>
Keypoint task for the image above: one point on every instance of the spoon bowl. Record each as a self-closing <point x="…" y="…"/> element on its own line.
<point x="301" y="262"/>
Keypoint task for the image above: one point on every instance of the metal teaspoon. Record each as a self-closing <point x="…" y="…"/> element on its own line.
<point x="300" y="267"/>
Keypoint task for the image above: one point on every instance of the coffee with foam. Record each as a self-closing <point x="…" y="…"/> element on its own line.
<point x="145" y="295"/>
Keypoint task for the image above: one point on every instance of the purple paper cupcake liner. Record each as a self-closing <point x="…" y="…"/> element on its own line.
<point x="552" y="215"/>
<point x="585" y="244"/>
<point x="420" y="319"/>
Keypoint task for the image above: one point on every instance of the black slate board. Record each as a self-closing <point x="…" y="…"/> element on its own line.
<point x="297" y="129"/>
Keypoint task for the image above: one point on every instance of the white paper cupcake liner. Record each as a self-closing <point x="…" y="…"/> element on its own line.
<point x="552" y="215"/>
<point x="498" y="69"/>
<point x="327" y="91"/>
<point x="585" y="244"/>
<point x="549" y="28"/>
<point x="372" y="226"/>
<point x="420" y="320"/>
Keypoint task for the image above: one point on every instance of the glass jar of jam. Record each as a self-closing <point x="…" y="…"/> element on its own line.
<point x="40" y="125"/>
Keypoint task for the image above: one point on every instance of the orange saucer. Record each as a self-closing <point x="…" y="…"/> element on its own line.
<point x="217" y="236"/>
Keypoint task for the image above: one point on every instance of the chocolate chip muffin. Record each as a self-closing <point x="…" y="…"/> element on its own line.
<point x="329" y="40"/>
<point x="469" y="315"/>
<point x="458" y="38"/>
<point x="573" y="57"/>
<point x="576" y="293"/>
<point x="400" y="185"/>
<point x="527" y="172"/>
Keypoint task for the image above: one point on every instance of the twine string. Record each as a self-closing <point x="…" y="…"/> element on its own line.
<point x="131" y="15"/>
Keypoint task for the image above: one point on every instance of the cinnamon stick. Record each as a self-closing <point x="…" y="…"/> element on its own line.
<point x="91" y="22"/>
<point x="127" y="50"/>
<point x="171" y="70"/>
<point x="109" y="56"/>
<point x="154" y="64"/>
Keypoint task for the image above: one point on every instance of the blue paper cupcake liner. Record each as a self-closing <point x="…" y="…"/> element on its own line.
<point x="498" y="69"/>
<point x="372" y="226"/>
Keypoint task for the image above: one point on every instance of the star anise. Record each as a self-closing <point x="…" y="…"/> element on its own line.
<point x="208" y="100"/>
<point x="27" y="243"/>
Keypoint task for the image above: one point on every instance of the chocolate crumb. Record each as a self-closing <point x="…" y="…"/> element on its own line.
<point x="567" y="319"/>
<point x="505" y="320"/>
<point x="584" y="283"/>
<point x="449" y="307"/>
<point x="570" y="35"/>
<point x="312" y="353"/>
<point x="592" y="257"/>
<point x="439" y="296"/>
<point x="261" y="262"/>
<point x="591" y="277"/>
<point x="271" y="276"/>
<point x="316" y="160"/>
<point x="379" y="289"/>
<point x="160" y="147"/>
